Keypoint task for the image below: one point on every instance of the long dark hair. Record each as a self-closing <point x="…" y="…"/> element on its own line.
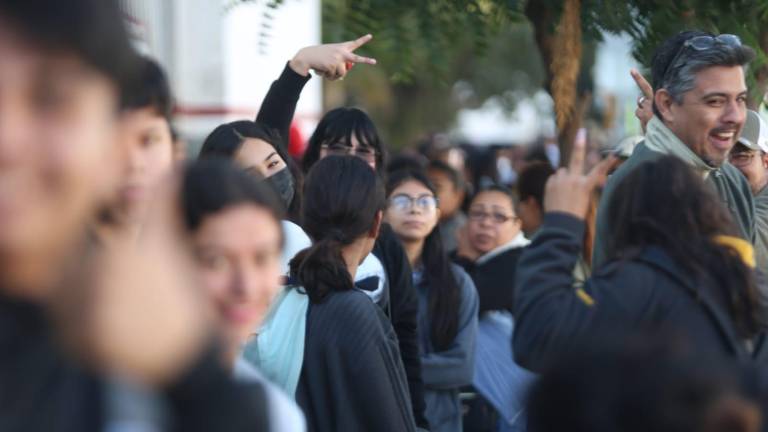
<point x="343" y="197"/>
<point x="213" y="185"/>
<point x="664" y="203"/>
<point x="444" y="292"/>
<point x="227" y="139"/>
<point x="339" y="126"/>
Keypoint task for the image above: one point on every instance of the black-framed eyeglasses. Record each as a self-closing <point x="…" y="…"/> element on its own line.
<point x="367" y="154"/>
<point x="496" y="217"/>
<point x="404" y="203"/>
<point x="700" y="43"/>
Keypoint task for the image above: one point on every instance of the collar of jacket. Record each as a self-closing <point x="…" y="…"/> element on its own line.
<point x="660" y="139"/>
<point x="657" y="258"/>
<point x="517" y="242"/>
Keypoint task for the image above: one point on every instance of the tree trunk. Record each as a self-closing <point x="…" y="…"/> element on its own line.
<point x="757" y="96"/>
<point x="559" y="39"/>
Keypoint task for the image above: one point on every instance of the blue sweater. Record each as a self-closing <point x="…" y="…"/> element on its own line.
<point x="445" y="372"/>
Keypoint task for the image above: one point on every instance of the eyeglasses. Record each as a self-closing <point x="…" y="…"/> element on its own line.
<point x="742" y="157"/>
<point x="497" y="218"/>
<point x="365" y="153"/>
<point x="701" y="43"/>
<point x="404" y="203"/>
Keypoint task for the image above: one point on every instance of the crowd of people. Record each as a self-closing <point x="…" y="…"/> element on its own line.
<point x="440" y="290"/>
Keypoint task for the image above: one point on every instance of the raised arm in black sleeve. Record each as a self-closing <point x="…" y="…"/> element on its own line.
<point x="404" y="307"/>
<point x="279" y="104"/>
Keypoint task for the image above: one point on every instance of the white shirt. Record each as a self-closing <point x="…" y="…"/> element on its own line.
<point x="284" y="414"/>
<point x="296" y="240"/>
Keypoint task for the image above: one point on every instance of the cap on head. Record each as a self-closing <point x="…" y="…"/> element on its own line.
<point x="754" y="135"/>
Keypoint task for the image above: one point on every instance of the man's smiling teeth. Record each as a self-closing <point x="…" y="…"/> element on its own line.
<point x="724" y="135"/>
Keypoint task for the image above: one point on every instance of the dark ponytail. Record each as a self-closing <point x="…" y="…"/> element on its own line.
<point x="444" y="291"/>
<point x="343" y="197"/>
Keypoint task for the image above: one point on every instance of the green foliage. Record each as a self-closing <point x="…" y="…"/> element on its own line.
<point x="413" y="37"/>
<point x="425" y="47"/>
<point x="649" y="22"/>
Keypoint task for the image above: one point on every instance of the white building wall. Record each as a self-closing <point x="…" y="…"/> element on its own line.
<point x="221" y="61"/>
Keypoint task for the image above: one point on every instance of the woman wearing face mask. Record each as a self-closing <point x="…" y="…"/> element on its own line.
<point x="324" y="341"/>
<point x="258" y="149"/>
<point x="447" y="299"/>
<point x="385" y="275"/>
<point x="234" y="223"/>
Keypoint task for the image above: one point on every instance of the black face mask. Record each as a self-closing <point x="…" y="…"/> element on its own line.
<point x="282" y="183"/>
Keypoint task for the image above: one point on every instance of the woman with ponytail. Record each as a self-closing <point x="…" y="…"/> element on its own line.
<point x="448" y="302"/>
<point x="385" y="274"/>
<point x="325" y="342"/>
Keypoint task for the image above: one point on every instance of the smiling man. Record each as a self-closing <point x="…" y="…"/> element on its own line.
<point x="699" y="107"/>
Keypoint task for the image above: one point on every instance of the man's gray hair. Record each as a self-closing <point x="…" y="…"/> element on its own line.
<point x="680" y="78"/>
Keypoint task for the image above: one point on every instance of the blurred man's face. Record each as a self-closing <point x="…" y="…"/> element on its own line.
<point x="711" y="116"/>
<point x="146" y="135"/>
<point x="57" y="155"/>
<point x="531" y="215"/>
<point x="449" y="197"/>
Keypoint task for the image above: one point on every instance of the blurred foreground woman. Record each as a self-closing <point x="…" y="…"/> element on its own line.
<point x="70" y="320"/>
<point x="234" y="220"/>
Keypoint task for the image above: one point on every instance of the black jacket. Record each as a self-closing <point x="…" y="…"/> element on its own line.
<point x="276" y="112"/>
<point x="494" y="279"/>
<point x="648" y="290"/>
<point x="352" y="378"/>
<point x="42" y="390"/>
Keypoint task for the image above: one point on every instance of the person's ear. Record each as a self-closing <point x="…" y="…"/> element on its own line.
<point x="764" y="158"/>
<point x="663" y="101"/>
<point x="374" y="232"/>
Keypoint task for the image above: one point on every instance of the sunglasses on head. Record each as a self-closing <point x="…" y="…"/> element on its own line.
<point x="701" y="43"/>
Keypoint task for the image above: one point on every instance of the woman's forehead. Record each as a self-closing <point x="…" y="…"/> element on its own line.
<point x="492" y="199"/>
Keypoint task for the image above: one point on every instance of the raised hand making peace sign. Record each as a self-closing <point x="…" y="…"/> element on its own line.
<point x="569" y="190"/>
<point x="331" y="61"/>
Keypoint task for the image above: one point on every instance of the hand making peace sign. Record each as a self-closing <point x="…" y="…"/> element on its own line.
<point x="569" y="190"/>
<point x="332" y="61"/>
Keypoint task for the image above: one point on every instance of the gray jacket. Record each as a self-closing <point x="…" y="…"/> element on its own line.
<point x="761" y="229"/>
<point x="729" y="183"/>
<point x="445" y="372"/>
